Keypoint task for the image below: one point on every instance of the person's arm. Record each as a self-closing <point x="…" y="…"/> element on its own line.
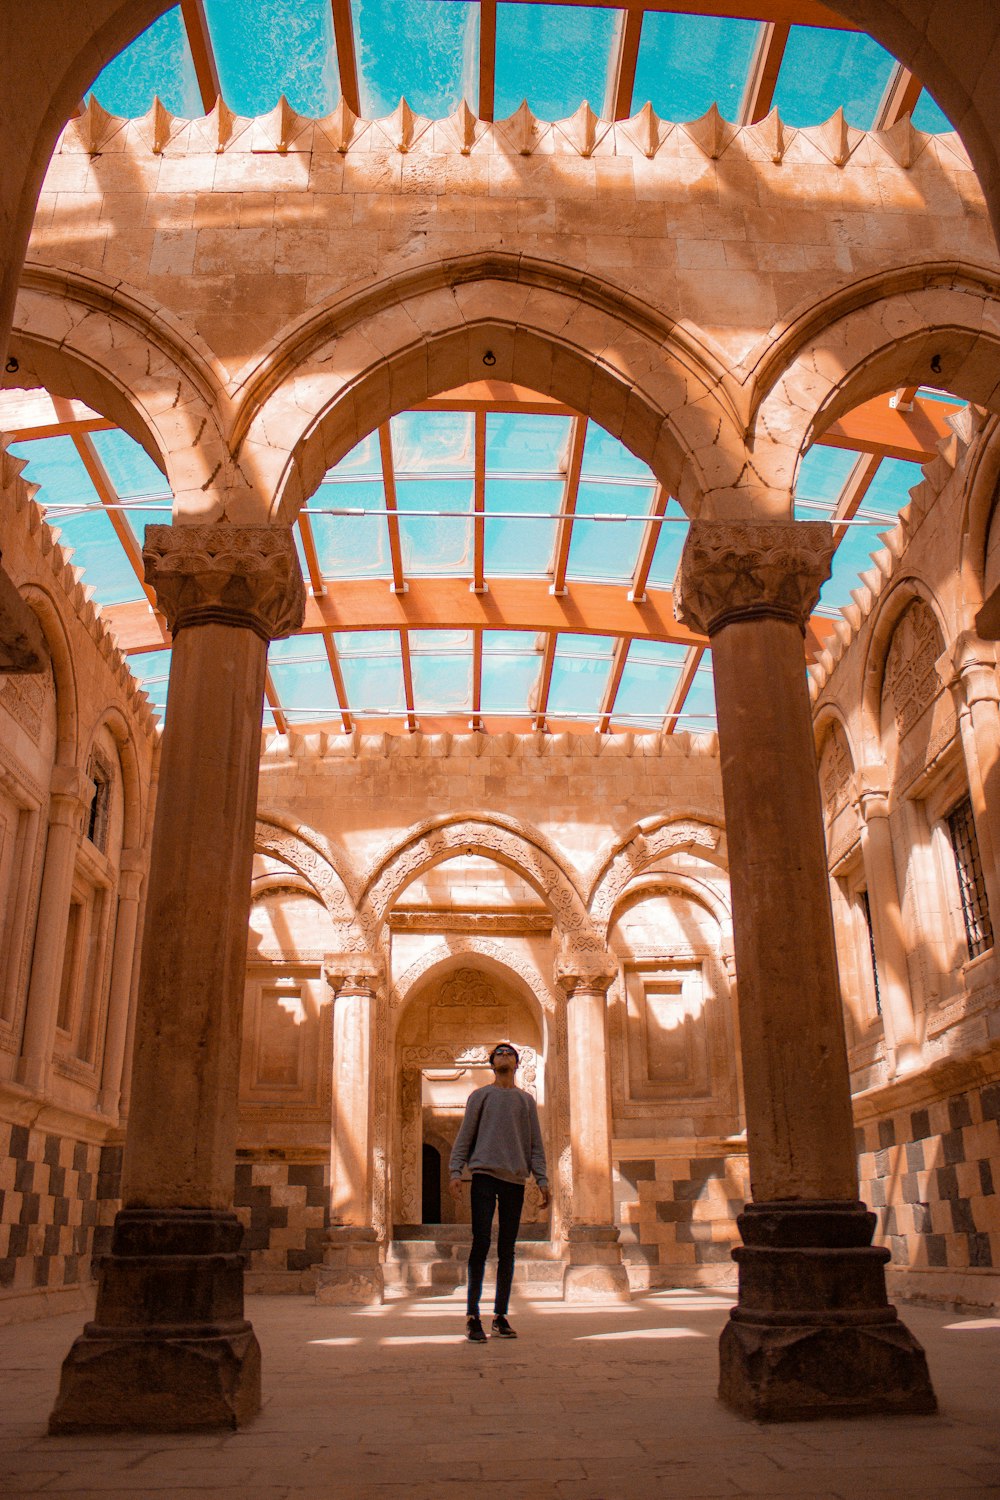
<point x="466" y="1137"/>
<point x="538" y="1167"/>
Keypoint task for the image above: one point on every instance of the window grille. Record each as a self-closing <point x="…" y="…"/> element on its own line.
<point x="972" y="888"/>
<point x="100" y="807"/>
<point x="866" y="907"/>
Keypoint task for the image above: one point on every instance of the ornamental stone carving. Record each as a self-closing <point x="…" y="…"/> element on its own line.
<point x="481" y="947"/>
<point x="245" y="576"/>
<point x="579" y="968"/>
<point x="911" y="680"/>
<point x="642" y="850"/>
<point x="295" y="852"/>
<point x="743" y="570"/>
<point x="835" y="771"/>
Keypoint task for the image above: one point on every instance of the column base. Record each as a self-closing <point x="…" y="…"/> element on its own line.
<point x="169" y="1349"/>
<point x="595" y="1272"/>
<point x="813" y="1334"/>
<point x="351" y="1274"/>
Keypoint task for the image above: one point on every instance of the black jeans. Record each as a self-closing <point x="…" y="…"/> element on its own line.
<point x="507" y="1197"/>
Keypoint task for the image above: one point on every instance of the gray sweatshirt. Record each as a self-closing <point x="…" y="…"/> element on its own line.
<point x="501" y="1135"/>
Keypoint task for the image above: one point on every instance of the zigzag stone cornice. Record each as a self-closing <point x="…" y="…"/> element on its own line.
<point x="285" y="132"/>
<point x="319" y="744"/>
<point x="22" y="509"/>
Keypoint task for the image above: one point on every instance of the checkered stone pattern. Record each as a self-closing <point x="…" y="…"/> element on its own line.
<point x="680" y="1211"/>
<point x="56" y="1197"/>
<point x="285" y="1207"/>
<point x="931" y="1176"/>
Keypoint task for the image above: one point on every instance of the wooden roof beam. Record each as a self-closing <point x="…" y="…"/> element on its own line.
<point x="856" y="487"/>
<point x="479" y="507"/>
<point x="274" y="703"/>
<point x="623" y="82"/>
<point x="652" y="527"/>
<point x="206" y="69"/>
<point x="762" y="75"/>
<point x="682" y="687"/>
<point x="900" y="98"/>
<point x="336" y="672"/>
<point x="347" y="62"/>
<point x="404" y="649"/>
<point x="618" y="662"/>
<point x="564" y="526"/>
<point x="545" y="681"/>
<point x="487" y="57"/>
<point x="476" y="722"/>
<point x="398" y="584"/>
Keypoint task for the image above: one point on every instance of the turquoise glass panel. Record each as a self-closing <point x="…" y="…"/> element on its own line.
<point x="669" y="546"/>
<point x="351" y="546"/>
<point x="305" y="689"/>
<point x="929" y="116"/>
<point x="822" y="475"/>
<point x="266" y="48"/>
<point x="294" y="649"/>
<point x="890" y="490"/>
<point x="604" y="457"/>
<point x="56" y="467"/>
<point x="607" y="550"/>
<point x="441" y="669"/>
<point x="823" y="70"/>
<point x="157" y="63"/>
<point x="650" y="676"/>
<point x="526" y="443"/>
<point x="363" y="462"/>
<point x="687" y="63"/>
<point x="372" y="668"/>
<point x="135" y="478"/>
<point x="433" y="442"/>
<point x="521" y="548"/>
<point x="555" y="56"/>
<point x="511" y="663"/>
<point x="853" y="556"/>
<point x="151" y="670"/>
<point x="698" y="712"/>
<point x="579" y="675"/>
<point x="426" y="51"/>
<point x="440" y="544"/>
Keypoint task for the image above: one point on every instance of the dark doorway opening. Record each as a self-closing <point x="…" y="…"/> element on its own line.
<point x="430" y="1207"/>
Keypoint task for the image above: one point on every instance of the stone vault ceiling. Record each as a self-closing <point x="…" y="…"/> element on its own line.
<point x="490" y="488"/>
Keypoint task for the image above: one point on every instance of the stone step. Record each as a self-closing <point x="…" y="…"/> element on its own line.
<point x="417" y="1251"/>
<point x="435" y="1266"/>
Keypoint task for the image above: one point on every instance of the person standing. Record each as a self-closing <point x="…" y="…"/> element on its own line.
<point x="501" y="1143"/>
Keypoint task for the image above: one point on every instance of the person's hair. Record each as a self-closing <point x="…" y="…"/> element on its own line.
<point x="517" y="1055"/>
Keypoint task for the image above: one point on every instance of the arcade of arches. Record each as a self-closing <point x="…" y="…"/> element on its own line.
<point x="249" y="978"/>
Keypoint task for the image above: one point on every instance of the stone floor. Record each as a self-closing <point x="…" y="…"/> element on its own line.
<point x="591" y="1403"/>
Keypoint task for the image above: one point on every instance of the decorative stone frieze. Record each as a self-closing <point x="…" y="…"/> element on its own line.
<point x="353" y="969"/>
<point x="578" y="968"/>
<point x="742" y="570"/>
<point x="245" y="576"/>
<point x="911" y="680"/>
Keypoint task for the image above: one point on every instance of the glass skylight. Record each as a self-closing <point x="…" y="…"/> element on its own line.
<point x="822" y="475"/>
<point x="151" y="669"/>
<point x="266" y="48"/>
<point x="301" y="676"/>
<point x="822" y="70"/>
<point x="441" y="664"/>
<point x="511" y="661"/>
<point x="927" y="115"/>
<point x="372" y="667"/>
<point x="698" y="713"/>
<point x="580" y="675"/>
<point x="555" y="56"/>
<point x="649" y="679"/>
<point x="687" y="63"/>
<point x="157" y="63"/>
<point x="424" y="50"/>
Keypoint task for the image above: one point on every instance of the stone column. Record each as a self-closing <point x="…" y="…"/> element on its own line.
<point x="872" y="788"/>
<point x="969" y="669"/>
<point x="70" y="796"/>
<point x="595" y="1271"/>
<point x="131" y="871"/>
<point x="169" y="1348"/>
<point x="352" y="1268"/>
<point x="813" y="1333"/>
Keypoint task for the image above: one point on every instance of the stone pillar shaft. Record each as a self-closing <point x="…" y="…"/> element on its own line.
<point x="590" y="1113"/>
<point x="169" y="1348"/>
<point x="812" y="1333"/>
<point x="131" y="871"/>
<point x="69" y="799"/>
<point x="887" y="917"/>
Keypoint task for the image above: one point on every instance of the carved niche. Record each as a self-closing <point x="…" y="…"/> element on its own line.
<point x="835" y="771"/>
<point x="911" y="681"/>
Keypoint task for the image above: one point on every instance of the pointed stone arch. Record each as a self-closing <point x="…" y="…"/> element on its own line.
<point x="658" y="385"/>
<point x="648" y="842"/>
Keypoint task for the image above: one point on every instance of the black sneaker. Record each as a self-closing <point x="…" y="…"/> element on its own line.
<point x="474" y="1331"/>
<point x="502" y="1329"/>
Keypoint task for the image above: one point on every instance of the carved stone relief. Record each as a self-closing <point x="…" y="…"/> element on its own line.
<point x="24" y="696"/>
<point x="835" y="771"/>
<point x="911" y="680"/>
<point x="641" y="851"/>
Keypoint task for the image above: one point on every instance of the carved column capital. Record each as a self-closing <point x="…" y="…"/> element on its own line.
<point x="871" y="789"/>
<point x="246" y="576"/>
<point x="356" y="972"/>
<point x="584" y="968"/>
<point x="746" y="570"/>
<point x="969" y="669"/>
